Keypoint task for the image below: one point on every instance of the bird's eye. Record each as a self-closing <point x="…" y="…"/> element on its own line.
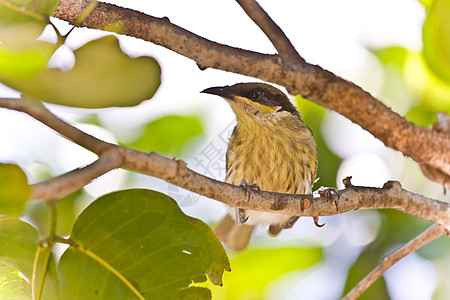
<point x="255" y="95"/>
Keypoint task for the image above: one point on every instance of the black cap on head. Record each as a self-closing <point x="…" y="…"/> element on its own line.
<point x="258" y="92"/>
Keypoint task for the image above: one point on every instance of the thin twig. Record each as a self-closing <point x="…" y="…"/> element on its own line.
<point x="275" y="34"/>
<point x="176" y="172"/>
<point x="433" y="232"/>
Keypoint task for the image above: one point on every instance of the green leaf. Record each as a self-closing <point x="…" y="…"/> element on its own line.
<point x="18" y="246"/>
<point x="392" y="56"/>
<point x="254" y="270"/>
<point x="14" y="189"/>
<point x="436" y="39"/>
<point x="103" y="76"/>
<point x="426" y="3"/>
<point x="138" y="243"/>
<point x="421" y="116"/>
<point x="169" y="135"/>
<point x="26" y="11"/>
<point x="21" y="55"/>
<point x="12" y="286"/>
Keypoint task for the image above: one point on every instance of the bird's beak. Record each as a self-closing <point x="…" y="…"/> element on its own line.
<point x="241" y="101"/>
<point x="219" y="91"/>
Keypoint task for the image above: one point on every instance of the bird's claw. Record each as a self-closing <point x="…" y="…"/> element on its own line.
<point x="249" y="188"/>
<point x="330" y="194"/>
<point x="316" y="222"/>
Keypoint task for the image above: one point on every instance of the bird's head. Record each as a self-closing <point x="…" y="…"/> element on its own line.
<point x="256" y="102"/>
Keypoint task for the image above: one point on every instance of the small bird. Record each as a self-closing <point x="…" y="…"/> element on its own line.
<point x="272" y="148"/>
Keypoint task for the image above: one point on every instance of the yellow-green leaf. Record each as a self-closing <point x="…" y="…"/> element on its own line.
<point x="21" y="55"/>
<point x="18" y="247"/>
<point x="14" y="189"/>
<point x="255" y="269"/>
<point x="169" y="135"/>
<point x="103" y="76"/>
<point x="12" y="285"/>
<point x="26" y="11"/>
<point x="436" y="39"/>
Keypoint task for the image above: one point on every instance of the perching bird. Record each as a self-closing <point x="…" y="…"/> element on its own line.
<point x="271" y="148"/>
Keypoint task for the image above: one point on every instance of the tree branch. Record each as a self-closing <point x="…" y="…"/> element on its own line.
<point x="61" y="186"/>
<point x="271" y="30"/>
<point x="176" y="172"/>
<point x="314" y="83"/>
<point x="433" y="232"/>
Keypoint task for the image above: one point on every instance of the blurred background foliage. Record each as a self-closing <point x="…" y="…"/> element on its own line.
<point x="415" y="83"/>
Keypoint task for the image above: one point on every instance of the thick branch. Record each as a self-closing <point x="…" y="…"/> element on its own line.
<point x="176" y="172"/>
<point x="271" y="30"/>
<point x="433" y="232"/>
<point x="424" y="146"/>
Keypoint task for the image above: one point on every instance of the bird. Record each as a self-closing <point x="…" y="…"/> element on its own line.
<point x="271" y="148"/>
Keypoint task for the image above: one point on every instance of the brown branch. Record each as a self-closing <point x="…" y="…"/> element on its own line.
<point x="61" y="186"/>
<point x="424" y="146"/>
<point x="433" y="232"/>
<point x="175" y="171"/>
<point x="271" y="30"/>
<point x="37" y="110"/>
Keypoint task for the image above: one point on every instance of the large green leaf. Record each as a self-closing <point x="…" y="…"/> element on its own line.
<point x="169" y="135"/>
<point x="138" y="243"/>
<point x="18" y="246"/>
<point x="103" y="76"/>
<point x="14" y="189"/>
<point x="436" y="39"/>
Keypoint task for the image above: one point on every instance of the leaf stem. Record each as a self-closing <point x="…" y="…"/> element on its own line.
<point x="33" y="277"/>
<point x="48" y="253"/>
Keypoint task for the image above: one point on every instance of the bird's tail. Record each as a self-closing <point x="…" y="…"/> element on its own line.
<point x="235" y="236"/>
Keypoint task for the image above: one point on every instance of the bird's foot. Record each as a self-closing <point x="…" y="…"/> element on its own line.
<point x="330" y="194"/>
<point x="241" y="216"/>
<point x="249" y="188"/>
